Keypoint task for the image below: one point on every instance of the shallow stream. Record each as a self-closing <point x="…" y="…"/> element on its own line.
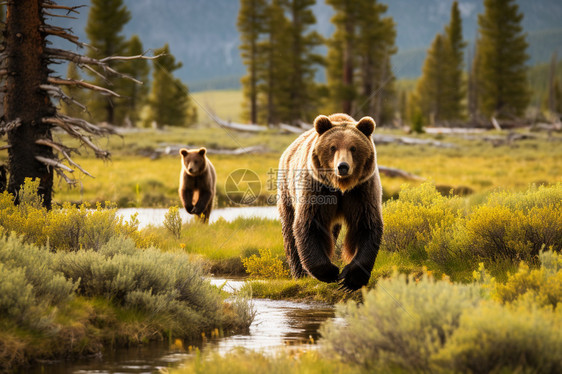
<point x="277" y="324"/>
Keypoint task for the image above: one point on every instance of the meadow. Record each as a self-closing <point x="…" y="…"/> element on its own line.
<point x="142" y="174"/>
<point x="479" y="232"/>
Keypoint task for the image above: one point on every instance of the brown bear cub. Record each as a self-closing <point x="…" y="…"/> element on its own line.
<point x="197" y="182"/>
<point x="329" y="176"/>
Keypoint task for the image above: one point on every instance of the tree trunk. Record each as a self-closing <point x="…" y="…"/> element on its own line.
<point x="552" y="85"/>
<point x="348" y="65"/>
<point x="24" y="100"/>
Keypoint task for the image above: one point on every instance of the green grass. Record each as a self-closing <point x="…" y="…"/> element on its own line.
<point x="132" y="178"/>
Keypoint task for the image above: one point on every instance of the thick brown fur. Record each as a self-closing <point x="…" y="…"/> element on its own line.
<point x="197" y="182"/>
<point x="329" y="176"/>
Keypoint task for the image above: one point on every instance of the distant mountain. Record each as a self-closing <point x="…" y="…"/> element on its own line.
<point x="202" y="34"/>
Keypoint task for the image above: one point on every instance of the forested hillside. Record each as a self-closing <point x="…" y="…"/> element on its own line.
<point x="204" y="37"/>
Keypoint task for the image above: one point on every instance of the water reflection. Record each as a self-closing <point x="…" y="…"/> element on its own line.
<point x="277" y="324"/>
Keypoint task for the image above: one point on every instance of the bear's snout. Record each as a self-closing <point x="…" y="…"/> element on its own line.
<point x="343" y="169"/>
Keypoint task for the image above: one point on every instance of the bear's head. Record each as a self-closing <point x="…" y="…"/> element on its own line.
<point x="193" y="161"/>
<point x="344" y="153"/>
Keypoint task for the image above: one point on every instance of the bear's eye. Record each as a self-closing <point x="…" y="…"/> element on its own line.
<point x="353" y="149"/>
<point x="333" y="148"/>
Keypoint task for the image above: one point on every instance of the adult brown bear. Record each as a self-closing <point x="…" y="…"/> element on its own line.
<point x="197" y="182"/>
<point x="329" y="176"/>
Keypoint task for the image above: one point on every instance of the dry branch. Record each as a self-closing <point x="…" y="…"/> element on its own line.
<point x="7" y="127"/>
<point x="57" y="93"/>
<point x="54" y="163"/>
<point x="65" y="152"/>
<point x="58" y="15"/>
<point x="74" y="131"/>
<point x="85" y="60"/>
<point x="73" y="82"/>
<point x="63" y="33"/>
<point x="69" y="9"/>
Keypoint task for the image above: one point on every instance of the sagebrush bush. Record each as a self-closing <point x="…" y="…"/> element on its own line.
<point x="400" y="324"/>
<point x="266" y="265"/>
<point x="49" y="286"/>
<point x="507" y="226"/>
<point x="406" y="325"/>
<point x="494" y="338"/>
<point x="543" y="285"/>
<point x="118" y="269"/>
<point x="67" y="227"/>
<point x="409" y="221"/>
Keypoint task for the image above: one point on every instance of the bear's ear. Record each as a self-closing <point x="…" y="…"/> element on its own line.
<point x="366" y="125"/>
<point x="202" y="151"/>
<point x="183" y="152"/>
<point x="322" y="124"/>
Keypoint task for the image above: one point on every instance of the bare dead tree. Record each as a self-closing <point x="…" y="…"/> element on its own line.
<point x="30" y="92"/>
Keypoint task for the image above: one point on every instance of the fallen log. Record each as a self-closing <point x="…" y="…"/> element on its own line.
<point x="389" y="139"/>
<point x="398" y="173"/>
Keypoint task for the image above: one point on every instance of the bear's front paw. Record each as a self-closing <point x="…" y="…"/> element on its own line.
<point x="326" y="273"/>
<point x="353" y="277"/>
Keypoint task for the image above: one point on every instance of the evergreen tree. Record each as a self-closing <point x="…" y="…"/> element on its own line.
<point x="168" y="101"/>
<point x="452" y="107"/>
<point x="430" y="90"/>
<point x="273" y="66"/>
<point x="250" y="25"/>
<point x="105" y="23"/>
<point x="135" y="94"/>
<point x="340" y="69"/>
<point x="358" y="63"/>
<point x="440" y="89"/>
<point x="502" y="82"/>
<point x="302" y="61"/>
<point x="376" y="44"/>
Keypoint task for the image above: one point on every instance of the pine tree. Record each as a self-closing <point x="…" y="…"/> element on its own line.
<point x="502" y="45"/>
<point x="302" y="97"/>
<point x="430" y="90"/>
<point x="376" y="44"/>
<point x="168" y="101"/>
<point x="340" y="69"/>
<point x="440" y="90"/>
<point x="358" y="62"/>
<point x="135" y="95"/>
<point x="250" y="25"/>
<point x="456" y="92"/>
<point x="105" y="23"/>
<point x="273" y="66"/>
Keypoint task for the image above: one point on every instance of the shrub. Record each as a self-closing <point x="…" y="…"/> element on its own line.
<point x="437" y="326"/>
<point x="411" y="220"/>
<point x="407" y="321"/>
<point x="118" y="269"/>
<point x="265" y="265"/>
<point x="49" y="286"/>
<point x="543" y="286"/>
<point x="508" y="226"/>
<point x="68" y="227"/>
<point x="172" y="221"/>
<point x="496" y="338"/>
